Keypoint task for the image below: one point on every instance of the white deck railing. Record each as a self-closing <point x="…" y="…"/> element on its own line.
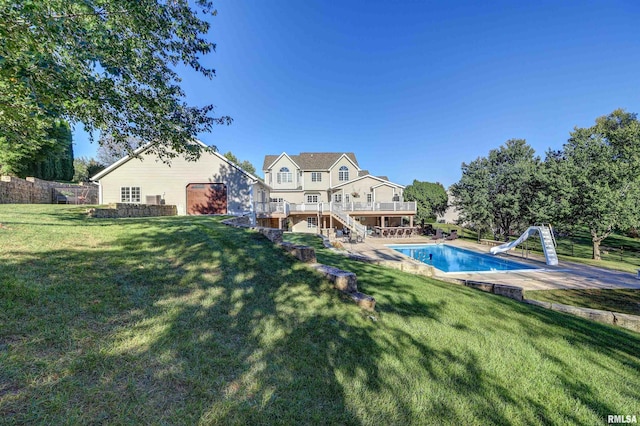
<point x="286" y="208"/>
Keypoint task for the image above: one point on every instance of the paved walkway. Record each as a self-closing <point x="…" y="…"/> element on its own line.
<point x="565" y="275"/>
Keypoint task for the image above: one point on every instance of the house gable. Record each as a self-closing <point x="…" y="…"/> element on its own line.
<point x="147" y="176"/>
<point x="357" y="189"/>
<point x="283" y="173"/>
<point x="342" y="170"/>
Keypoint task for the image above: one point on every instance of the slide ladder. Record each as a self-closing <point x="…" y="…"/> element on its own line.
<point x="546" y="238"/>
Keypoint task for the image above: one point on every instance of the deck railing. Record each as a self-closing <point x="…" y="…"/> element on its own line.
<point x="286" y="208"/>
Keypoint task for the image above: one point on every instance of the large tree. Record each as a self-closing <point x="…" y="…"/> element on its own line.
<point x="245" y="165"/>
<point x="85" y="168"/>
<point x="53" y="162"/>
<point x="599" y="168"/>
<point x="431" y="199"/>
<point x="108" y="64"/>
<point x="495" y="192"/>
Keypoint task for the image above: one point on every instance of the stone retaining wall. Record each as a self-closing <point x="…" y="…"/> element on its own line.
<point x="32" y="190"/>
<point x="133" y="210"/>
<point x="630" y="322"/>
<point x="512" y="292"/>
<point x="238" y="221"/>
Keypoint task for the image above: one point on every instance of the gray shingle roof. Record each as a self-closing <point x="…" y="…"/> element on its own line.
<point x="312" y="160"/>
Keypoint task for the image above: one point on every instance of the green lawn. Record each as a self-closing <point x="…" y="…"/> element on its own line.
<point x="185" y="321"/>
<point x="626" y="301"/>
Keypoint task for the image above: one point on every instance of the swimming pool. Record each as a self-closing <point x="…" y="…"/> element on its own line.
<point x="454" y="259"/>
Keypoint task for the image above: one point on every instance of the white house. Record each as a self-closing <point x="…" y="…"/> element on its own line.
<point x="210" y="185"/>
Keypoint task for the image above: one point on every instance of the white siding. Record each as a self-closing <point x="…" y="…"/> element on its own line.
<point x="170" y="181"/>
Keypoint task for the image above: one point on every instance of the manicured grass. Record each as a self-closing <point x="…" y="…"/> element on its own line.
<point x="186" y="321"/>
<point x="616" y="300"/>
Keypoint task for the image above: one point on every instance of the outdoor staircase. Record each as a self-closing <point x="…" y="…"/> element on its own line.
<point x="548" y="245"/>
<point x="359" y="231"/>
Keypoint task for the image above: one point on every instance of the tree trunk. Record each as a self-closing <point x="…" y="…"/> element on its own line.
<point x="596" y="249"/>
<point x="596" y="240"/>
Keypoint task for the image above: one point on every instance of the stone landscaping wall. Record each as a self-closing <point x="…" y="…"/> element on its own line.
<point x="239" y="221"/>
<point x="133" y="210"/>
<point x="630" y="322"/>
<point x="31" y="190"/>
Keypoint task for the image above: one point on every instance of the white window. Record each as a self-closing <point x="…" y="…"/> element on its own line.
<point x="343" y="173"/>
<point x="276" y="200"/>
<point x="347" y="198"/>
<point x="369" y="197"/>
<point x="316" y="177"/>
<point x="312" y="198"/>
<point x="337" y="198"/>
<point x="284" y="176"/>
<point x="312" y="222"/>
<point x="130" y="194"/>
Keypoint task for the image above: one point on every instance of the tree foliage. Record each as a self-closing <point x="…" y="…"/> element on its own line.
<point x="599" y="172"/>
<point x="495" y="192"/>
<point x="85" y="168"/>
<point x="108" y="64"/>
<point x="245" y="165"/>
<point x="431" y="199"/>
<point x="53" y="162"/>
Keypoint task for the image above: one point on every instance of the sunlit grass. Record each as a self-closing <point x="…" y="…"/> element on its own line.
<point x="185" y="321"/>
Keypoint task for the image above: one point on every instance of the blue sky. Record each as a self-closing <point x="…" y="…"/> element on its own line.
<point x="414" y="88"/>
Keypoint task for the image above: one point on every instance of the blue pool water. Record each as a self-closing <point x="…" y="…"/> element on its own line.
<point x="454" y="259"/>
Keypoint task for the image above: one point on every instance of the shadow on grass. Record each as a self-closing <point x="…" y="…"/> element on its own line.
<point x="179" y="322"/>
<point x="184" y="321"/>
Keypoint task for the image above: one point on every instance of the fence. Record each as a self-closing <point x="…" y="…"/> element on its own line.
<point x="84" y="194"/>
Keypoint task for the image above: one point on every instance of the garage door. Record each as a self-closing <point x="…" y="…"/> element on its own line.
<point x="206" y="198"/>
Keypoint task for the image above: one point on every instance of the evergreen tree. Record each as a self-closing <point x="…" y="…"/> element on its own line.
<point x="55" y="161"/>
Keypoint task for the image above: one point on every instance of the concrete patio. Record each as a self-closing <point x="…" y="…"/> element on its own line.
<point x="565" y="275"/>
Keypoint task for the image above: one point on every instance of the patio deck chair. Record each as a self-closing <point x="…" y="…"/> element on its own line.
<point x="408" y="233"/>
<point x="392" y="232"/>
<point x="400" y="233"/>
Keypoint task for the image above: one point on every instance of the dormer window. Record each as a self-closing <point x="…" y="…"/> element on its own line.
<point x="343" y="173"/>
<point x="284" y="176"/>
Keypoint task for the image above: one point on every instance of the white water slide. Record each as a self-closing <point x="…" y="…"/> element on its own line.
<point x="546" y="238"/>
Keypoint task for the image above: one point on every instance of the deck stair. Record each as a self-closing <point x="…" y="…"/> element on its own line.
<point x="360" y="231"/>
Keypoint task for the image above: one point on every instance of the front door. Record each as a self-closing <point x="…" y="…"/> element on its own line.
<point x="206" y="198"/>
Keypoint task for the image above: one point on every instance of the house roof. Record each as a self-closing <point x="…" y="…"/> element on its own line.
<point x="311" y="160"/>
<point x="140" y="150"/>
